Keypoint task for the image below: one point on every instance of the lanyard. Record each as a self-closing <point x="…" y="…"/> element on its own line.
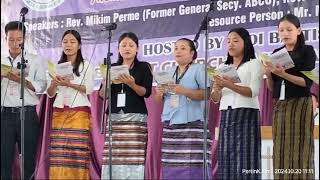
<point x="11" y="61"/>
<point x="181" y="76"/>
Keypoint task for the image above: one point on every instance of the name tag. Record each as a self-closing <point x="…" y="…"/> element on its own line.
<point x="282" y="91"/>
<point x="121" y="100"/>
<point x="65" y="100"/>
<point x="216" y="133"/>
<point x="174" y="100"/>
<point x="13" y="88"/>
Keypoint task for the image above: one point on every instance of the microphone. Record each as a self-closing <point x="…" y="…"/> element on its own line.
<point x="24" y="11"/>
<point x="203" y="26"/>
<point x="109" y="26"/>
<point x="195" y="40"/>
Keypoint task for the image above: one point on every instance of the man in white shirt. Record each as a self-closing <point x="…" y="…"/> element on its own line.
<point x="315" y="104"/>
<point x="35" y="82"/>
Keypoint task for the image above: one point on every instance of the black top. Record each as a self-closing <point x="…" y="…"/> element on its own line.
<point x="304" y="59"/>
<point x="134" y="103"/>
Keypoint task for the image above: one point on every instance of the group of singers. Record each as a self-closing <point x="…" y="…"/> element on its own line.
<point x="182" y="116"/>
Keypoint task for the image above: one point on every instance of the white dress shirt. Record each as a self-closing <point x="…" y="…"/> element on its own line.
<point x="250" y="74"/>
<point x="10" y="90"/>
<point x="67" y="96"/>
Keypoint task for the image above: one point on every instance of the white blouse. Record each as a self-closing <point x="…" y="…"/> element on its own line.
<point x="67" y="96"/>
<point x="251" y="75"/>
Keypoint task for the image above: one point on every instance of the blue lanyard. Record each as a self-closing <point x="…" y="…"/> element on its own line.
<point x="181" y="76"/>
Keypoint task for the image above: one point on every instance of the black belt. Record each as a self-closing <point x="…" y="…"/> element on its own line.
<point x="17" y="109"/>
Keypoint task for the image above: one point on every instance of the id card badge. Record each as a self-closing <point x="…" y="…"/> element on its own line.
<point x="121" y="100"/>
<point x="174" y="100"/>
<point x="65" y="100"/>
<point x="216" y="134"/>
<point x="282" y="91"/>
<point x="11" y="88"/>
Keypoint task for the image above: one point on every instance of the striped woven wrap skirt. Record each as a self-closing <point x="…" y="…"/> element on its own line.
<point x="182" y="151"/>
<point x="293" y="140"/>
<point x="69" y="136"/>
<point x="239" y="144"/>
<point x="129" y="144"/>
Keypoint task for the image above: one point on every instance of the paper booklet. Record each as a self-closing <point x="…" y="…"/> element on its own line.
<point x="5" y="69"/>
<point x="212" y="72"/>
<point x="64" y="70"/>
<point x="103" y="70"/>
<point x="116" y="71"/>
<point x="229" y="71"/>
<point x="313" y="75"/>
<point x="163" y="78"/>
<point x="281" y="57"/>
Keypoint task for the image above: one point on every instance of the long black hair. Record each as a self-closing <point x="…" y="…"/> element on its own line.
<point x="295" y="21"/>
<point x="79" y="58"/>
<point x="192" y="47"/>
<point x="134" y="38"/>
<point x="248" y="51"/>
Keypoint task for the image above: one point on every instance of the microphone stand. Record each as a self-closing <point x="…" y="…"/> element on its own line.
<point x="107" y="61"/>
<point x="204" y="26"/>
<point x="22" y="65"/>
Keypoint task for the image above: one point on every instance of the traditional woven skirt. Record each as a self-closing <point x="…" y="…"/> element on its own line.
<point x="182" y="151"/>
<point x="293" y="141"/>
<point x="239" y="146"/>
<point x="69" y="151"/>
<point x="129" y="144"/>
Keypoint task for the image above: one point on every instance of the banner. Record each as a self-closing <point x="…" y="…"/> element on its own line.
<point x="158" y="24"/>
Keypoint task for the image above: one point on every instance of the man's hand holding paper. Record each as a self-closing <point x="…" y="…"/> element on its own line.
<point x="5" y="69"/>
